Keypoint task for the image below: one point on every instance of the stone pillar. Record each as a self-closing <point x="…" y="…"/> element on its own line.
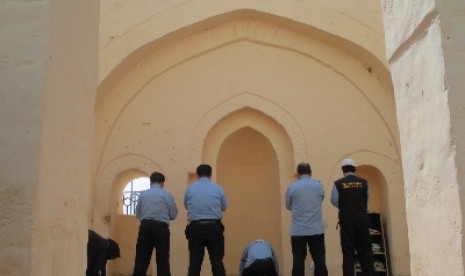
<point x="425" y="44"/>
<point x="48" y="77"/>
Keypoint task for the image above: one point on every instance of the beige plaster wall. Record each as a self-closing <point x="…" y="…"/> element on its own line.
<point x="183" y="98"/>
<point x="49" y="73"/>
<point x="425" y="51"/>
<point x="21" y="131"/>
<point x="61" y="216"/>
<point x="254" y="156"/>
<point x="131" y="30"/>
<point x="48" y="76"/>
<point x="248" y="169"/>
<point x="126" y="229"/>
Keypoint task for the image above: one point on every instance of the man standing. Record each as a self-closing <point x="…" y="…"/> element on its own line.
<point x="155" y="208"/>
<point x="205" y="201"/>
<point x="259" y="259"/>
<point x="304" y="198"/>
<point x="350" y="195"/>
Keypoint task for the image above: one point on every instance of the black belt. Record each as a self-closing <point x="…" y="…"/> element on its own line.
<point x="154" y="221"/>
<point x="206" y="221"/>
<point x="263" y="260"/>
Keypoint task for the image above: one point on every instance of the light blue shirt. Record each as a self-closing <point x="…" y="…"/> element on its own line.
<point x="257" y="250"/>
<point x="304" y="198"/>
<point x="204" y="199"/>
<point x="156" y="203"/>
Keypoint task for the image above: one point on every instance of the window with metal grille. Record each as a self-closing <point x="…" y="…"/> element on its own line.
<point x="131" y="194"/>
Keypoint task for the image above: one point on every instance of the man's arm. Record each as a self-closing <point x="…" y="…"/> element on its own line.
<point x="138" y="207"/>
<point x="185" y="198"/>
<point x="275" y="259"/>
<point x="368" y="193"/>
<point x="335" y="196"/>
<point x="288" y="199"/>
<point x="243" y="259"/>
<point x="172" y="208"/>
<point x="224" y="201"/>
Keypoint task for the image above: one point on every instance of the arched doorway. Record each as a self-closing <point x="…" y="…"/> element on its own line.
<point x="377" y="186"/>
<point x="248" y="169"/>
<point x="378" y="204"/>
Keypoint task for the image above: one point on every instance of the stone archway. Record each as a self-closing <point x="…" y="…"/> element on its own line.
<point x="248" y="168"/>
<point x="387" y="198"/>
<point x="177" y="103"/>
<point x="253" y="156"/>
<point x="53" y="139"/>
<point x="107" y="218"/>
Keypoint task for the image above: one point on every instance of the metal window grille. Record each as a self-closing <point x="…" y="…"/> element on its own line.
<point x="130" y="200"/>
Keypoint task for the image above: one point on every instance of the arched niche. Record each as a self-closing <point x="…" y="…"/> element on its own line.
<point x="248" y="168"/>
<point x="107" y="218"/>
<point x="377" y="188"/>
<point x="387" y="197"/>
<point x="253" y="158"/>
<point x="109" y="183"/>
<point x="123" y="228"/>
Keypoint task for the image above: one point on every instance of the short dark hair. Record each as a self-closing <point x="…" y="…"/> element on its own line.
<point x="157" y="177"/>
<point x="348" y="168"/>
<point x="304" y="168"/>
<point x="204" y="170"/>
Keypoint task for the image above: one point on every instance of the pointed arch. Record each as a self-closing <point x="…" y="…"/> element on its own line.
<point x="250" y="106"/>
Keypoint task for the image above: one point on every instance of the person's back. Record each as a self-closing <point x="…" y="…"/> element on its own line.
<point x="304" y="199"/>
<point x="258" y="259"/>
<point x="205" y="201"/>
<point x="153" y="203"/>
<point x="353" y="197"/>
<point x="155" y="209"/>
<point x="350" y="196"/>
<point x="306" y="196"/>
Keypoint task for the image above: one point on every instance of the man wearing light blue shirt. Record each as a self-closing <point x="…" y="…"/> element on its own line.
<point x="155" y="208"/>
<point x="258" y="259"/>
<point x="304" y="199"/>
<point x="205" y="202"/>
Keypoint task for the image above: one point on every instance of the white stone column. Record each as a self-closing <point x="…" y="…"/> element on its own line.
<point x="425" y="44"/>
<point x="48" y="81"/>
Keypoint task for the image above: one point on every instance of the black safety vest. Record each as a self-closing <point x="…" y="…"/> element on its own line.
<point x="353" y="198"/>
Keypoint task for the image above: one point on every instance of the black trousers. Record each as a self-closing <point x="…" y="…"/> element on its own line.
<point x="97" y="251"/>
<point x="205" y="234"/>
<point x="316" y="246"/>
<point x="356" y="244"/>
<point x="153" y="234"/>
<point x="261" y="268"/>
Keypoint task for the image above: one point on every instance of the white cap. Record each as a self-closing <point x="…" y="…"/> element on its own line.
<point x="348" y="162"/>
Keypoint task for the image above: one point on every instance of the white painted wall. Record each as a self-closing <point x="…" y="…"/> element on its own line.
<point x="425" y="50"/>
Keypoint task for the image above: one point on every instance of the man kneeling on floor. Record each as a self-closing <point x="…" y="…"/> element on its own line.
<point x="259" y="259"/>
